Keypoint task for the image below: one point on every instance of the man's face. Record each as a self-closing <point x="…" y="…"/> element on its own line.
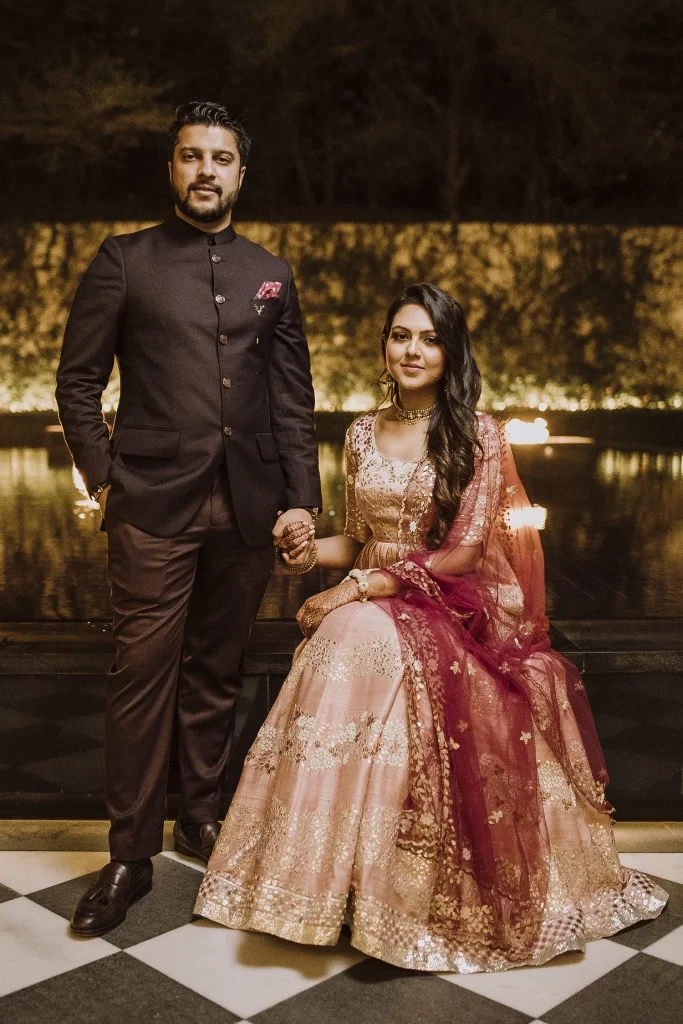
<point x="205" y="172"/>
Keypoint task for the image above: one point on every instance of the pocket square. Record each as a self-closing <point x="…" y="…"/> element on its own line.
<point x="268" y="290"/>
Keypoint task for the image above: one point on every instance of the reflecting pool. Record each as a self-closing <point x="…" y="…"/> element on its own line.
<point x="611" y="519"/>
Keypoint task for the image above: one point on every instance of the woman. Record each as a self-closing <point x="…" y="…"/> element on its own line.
<point x="429" y="774"/>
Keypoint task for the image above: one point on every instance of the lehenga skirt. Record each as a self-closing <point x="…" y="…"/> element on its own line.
<point x="310" y="841"/>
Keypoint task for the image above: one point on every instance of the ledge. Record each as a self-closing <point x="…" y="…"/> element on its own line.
<point x="596" y="647"/>
<point x="78" y="835"/>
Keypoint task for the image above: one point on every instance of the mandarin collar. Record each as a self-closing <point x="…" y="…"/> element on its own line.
<point x="189" y="234"/>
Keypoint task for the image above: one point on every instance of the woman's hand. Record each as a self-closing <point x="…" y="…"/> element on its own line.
<point x="296" y="543"/>
<point x="314" y="610"/>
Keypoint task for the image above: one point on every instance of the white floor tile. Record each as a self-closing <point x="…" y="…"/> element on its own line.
<point x="243" y="972"/>
<point x="189" y="862"/>
<point x="535" y="990"/>
<point x="669" y="948"/>
<point x="36" y="944"/>
<point x="37" y="869"/>
<point x="666" y="865"/>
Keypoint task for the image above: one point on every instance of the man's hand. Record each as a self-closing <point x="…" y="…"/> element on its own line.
<point x="296" y="538"/>
<point x="102" y="500"/>
<point x="292" y="515"/>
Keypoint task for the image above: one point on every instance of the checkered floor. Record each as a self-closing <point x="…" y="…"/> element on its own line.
<point x="161" y="965"/>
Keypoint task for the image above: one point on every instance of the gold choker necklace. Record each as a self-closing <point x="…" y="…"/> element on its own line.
<point x="412" y="415"/>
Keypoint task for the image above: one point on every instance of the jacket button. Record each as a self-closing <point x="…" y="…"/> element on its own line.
<point x="227" y="383"/>
<point x="223" y="339"/>
<point x="227" y="431"/>
<point x="220" y="298"/>
<point x="215" y="259"/>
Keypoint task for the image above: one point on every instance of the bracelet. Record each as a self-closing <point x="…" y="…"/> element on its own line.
<point x="297" y="569"/>
<point x="98" y="491"/>
<point x="361" y="580"/>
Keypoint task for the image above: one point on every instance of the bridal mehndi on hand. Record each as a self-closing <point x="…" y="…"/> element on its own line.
<point x="430" y="774"/>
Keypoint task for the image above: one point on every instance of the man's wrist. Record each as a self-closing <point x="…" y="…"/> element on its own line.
<point x="98" y="491"/>
<point x="313" y="509"/>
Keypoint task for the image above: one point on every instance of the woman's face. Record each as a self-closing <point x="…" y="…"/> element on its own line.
<point x="414" y="355"/>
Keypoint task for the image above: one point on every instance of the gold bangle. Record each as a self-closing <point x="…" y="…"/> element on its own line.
<point x="298" y="569"/>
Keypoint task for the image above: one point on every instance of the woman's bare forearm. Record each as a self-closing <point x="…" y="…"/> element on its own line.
<point x="381" y="584"/>
<point x="338" y="552"/>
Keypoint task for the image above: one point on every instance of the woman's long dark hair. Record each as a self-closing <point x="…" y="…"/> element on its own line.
<point x="452" y="432"/>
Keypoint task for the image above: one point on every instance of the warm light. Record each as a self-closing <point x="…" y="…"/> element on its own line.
<point x="530" y="515"/>
<point x="38" y="396"/>
<point x="523" y="432"/>
<point x="358" y="402"/>
<point x="86" y="501"/>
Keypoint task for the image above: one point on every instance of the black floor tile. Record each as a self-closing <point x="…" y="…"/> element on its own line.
<point x="646" y="932"/>
<point x="7" y="894"/>
<point x="115" y="990"/>
<point x="169" y="905"/>
<point x="644" y="990"/>
<point x="373" y="992"/>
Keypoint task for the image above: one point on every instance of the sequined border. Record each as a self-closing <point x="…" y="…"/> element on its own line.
<point x="380" y="931"/>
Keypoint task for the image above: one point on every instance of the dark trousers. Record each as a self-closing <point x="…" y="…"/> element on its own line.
<point x="182" y="608"/>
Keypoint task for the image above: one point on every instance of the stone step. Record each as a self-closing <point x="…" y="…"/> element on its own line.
<point x="594" y="646"/>
<point x="52" y="710"/>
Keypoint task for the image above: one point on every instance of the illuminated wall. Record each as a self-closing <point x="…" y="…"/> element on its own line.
<point x="563" y="316"/>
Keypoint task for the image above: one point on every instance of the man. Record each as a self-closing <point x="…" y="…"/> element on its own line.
<point x="214" y="437"/>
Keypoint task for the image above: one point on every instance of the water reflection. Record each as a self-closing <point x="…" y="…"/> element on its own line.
<point x="613" y="534"/>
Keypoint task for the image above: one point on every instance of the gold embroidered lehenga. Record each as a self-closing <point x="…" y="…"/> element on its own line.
<point x="429" y="774"/>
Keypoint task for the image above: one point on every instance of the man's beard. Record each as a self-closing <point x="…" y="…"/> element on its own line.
<point x="203" y="213"/>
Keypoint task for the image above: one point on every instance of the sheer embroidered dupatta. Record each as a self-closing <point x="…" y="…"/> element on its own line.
<point x="474" y="804"/>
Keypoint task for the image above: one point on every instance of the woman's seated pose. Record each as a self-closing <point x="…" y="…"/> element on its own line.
<point x="430" y="773"/>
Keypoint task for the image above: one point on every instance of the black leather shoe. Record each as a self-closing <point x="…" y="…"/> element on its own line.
<point x="105" y="904"/>
<point x="197" y="840"/>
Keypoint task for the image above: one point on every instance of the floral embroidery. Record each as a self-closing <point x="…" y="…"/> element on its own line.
<point x="455" y="667"/>
<point x="453" y="745"/>
<point x="462" y="726"/>
<point x="495" y="817"/>
<point x="525" y="737"/>
<point x="511" y="490"/>
<point x="412" y="526"/>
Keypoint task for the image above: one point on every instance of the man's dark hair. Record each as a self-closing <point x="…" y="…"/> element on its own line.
<point x="208" y="114"/>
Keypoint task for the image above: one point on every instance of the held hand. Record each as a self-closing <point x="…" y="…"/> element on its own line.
<point x="314" y="610"/>
<point x="297" y="538"/>
<point x="302" y="554"/>
<point x="284" y="519"/>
